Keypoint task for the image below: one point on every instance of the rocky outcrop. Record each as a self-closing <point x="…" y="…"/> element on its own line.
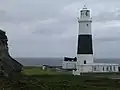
<point x="8" y="65"/>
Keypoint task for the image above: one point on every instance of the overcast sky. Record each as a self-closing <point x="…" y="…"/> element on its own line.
<point x="49" y="28"/>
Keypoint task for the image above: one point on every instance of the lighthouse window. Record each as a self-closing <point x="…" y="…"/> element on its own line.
<point x="82" y="13"/>
<point x="87" y="13"/>
<point x="84" y="61"/>
<point x="87" y="25"/>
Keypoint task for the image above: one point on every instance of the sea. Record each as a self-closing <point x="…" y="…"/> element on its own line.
<point x="57" y="61"/>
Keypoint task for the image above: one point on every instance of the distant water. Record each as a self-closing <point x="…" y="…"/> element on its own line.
<point x="40" y="61"/>
<point x="56" y="61"/>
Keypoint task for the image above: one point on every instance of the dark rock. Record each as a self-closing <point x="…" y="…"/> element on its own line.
<point x="8" y="65"/>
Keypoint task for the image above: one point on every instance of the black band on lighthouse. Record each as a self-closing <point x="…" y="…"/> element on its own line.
<point x="85" y="44"/>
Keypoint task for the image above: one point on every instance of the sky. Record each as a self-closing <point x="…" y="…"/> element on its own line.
<point x="49" y="28"/>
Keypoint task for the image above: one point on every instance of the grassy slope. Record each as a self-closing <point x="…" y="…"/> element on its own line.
<point x="59" y="81"/>
<point x="39" y="71"/>
<point x="34" y="78"/>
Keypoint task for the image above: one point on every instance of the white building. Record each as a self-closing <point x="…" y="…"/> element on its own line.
<point x="84" y="62"/>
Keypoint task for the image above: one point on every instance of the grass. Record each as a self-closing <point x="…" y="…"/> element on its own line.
<point x="39" y="71"/>
<point x="61" y="81"/>
<point x="34" y="78"/>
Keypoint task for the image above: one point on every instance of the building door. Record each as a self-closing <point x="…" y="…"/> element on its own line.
<point x="84" y="61"/>
<point x="119" y="69"/>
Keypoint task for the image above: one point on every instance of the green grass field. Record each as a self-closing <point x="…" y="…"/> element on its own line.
<point x="39" y="71"/>
<point x="34" y="78"/>
<point x="51" y="80"/>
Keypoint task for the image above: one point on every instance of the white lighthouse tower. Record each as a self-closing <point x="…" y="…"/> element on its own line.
<point x="84" y="49"/>
<point x="84" y="61"/>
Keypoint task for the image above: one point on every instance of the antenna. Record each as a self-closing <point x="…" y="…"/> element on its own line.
<point x="84" y="7"/>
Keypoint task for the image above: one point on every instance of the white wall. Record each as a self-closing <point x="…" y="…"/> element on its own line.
<point x="107" y="68"/>
<point x="96" y="68"/>
<point x="87" y="57"/>
<point x="68" y="65"/>
<point x="84" y="68"/>
<point x="85" y="27"/>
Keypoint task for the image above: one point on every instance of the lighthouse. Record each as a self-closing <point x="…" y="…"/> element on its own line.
<point x="84" y="47"/>
<point x="84" y="60"/>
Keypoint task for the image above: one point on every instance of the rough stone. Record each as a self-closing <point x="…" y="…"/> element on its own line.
<point x="8" y="65"/>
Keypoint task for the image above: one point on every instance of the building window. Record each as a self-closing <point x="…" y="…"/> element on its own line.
<point x="75" y="59"/>
<point x="84" y="61"/>
<point x="119" y="69"/>
<point x="114" y="68"/>
<point x="94" y="68"/>
<point x="103" y="68"/>
<point x="110" y="68"/>
<point x="107" y="68"/>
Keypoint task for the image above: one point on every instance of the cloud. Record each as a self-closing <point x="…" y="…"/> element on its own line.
<point x="49" y="28"/>
<point x="108" y="16"/>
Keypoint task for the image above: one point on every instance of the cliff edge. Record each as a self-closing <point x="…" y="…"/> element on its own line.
<point x="8" y="65"/>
